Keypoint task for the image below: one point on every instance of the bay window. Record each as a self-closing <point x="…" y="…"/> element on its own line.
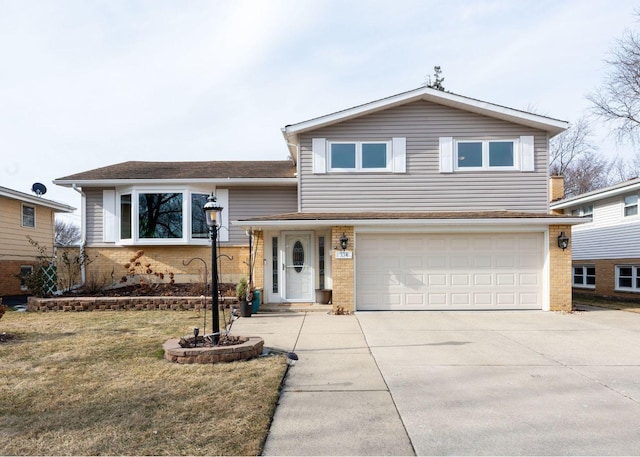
<point x="160" y="215"/>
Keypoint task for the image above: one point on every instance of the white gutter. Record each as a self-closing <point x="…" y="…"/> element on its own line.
<point x="83" y="233"/>
<point x="546" y="221"/>
<point x="594" y="197"/>
<point x="130" y="182"/>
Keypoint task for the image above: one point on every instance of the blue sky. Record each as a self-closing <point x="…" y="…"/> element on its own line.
<point x="84" y="84"/>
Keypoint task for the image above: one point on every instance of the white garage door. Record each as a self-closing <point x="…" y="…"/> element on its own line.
<point x="449" y="271"/>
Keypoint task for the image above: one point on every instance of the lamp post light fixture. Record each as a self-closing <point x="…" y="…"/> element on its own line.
<point x="563" y="241"/>
<point x="211" y="213"/>
<point x="343" y="241"/>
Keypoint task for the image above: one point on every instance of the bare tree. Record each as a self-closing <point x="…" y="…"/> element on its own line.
<point x="617" y="100"/>
<point x="66" y="233"/>
<point x="588" y="172"/>
<point x="572" y="155"/>
<point x="569" y="146"/>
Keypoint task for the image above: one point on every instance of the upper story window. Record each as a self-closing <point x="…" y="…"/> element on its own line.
<point x="359" y="156"/>
<point x="156" y="216"/>
<point x="631" y="205"/>
<point x="486" y="155"/>
<point x="28" y="216"/>
<point x="507" y="154"/>
<point x="584" y="276"/>
<point x="586" y="210"/>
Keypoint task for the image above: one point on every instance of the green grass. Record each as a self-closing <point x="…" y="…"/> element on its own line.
<point x="96" y="383"/>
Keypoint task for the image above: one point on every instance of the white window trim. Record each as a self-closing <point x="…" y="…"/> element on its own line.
<point x="22" y="207"/>
<point x="584" y="275"/>
<point x="625" y="206"/>
<point x="358" y="168"/>
<point x="485" y="155"/>
<point x="222" y="196"/>
<point x="634" y="277"/>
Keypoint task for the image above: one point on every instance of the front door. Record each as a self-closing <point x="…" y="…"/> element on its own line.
<point x="298" y="267"/>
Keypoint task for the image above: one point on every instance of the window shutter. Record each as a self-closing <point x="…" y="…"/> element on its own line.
<point x="222" y="199"/>
<point x="108" y="215"/>
<point x="319" y="148"/>
<point x="527" y="156"/>
<point x="446" y="154"/>
<point x="399" y="154"/>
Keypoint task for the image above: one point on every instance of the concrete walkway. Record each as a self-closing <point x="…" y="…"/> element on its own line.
<point x="456" y="383"/>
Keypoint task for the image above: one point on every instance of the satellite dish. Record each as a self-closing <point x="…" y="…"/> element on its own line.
<point x="39" y="189"/>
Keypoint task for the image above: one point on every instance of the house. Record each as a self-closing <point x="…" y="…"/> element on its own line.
<point x="24" y="217"/>
<point x="606" y="249"/>
<point x="422" y="200"/>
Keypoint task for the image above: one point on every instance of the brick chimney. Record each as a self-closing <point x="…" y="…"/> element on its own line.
<point x="556" y="188"/>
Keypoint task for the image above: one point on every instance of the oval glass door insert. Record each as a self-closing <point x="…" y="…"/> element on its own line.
<point x="298" y="256"/>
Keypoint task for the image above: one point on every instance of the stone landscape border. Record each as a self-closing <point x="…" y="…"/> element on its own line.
<point x="251" y="347"/>
<point x="165" y="303"/>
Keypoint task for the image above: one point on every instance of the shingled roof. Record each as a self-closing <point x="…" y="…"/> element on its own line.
<point x="136" y="170"/>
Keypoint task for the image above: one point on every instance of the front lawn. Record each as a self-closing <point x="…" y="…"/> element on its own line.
<point x="96" y="383"/>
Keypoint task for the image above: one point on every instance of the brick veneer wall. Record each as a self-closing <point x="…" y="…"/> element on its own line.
<point x="107" y="263"/>
<point x="342" y="271"/>
<point x="606" y="278"/>
<point x="9" y="282"/>
<point x="559" y="270"/>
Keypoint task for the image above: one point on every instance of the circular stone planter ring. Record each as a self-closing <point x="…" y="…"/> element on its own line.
<point x="249" y="348"/>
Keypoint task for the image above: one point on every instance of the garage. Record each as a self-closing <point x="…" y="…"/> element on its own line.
<point x="483" y="271"/>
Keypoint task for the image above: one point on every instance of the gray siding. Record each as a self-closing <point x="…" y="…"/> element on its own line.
<point x="94" y="216"/>
<point x="609" y="236"/>
<point x="250" y="202"/>
<point x="423" y="187"/>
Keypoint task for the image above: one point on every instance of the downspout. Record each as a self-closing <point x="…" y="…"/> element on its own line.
<point x="83" y="233"/>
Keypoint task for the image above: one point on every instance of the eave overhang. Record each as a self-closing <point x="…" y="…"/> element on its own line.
<point x="391" y="220"/>
<point x="34" y="200"/>
<point x="174" y="182"/>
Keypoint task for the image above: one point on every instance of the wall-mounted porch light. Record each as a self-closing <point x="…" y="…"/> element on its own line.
<point x="563" y="241"/>
<point x="344" y="241"/>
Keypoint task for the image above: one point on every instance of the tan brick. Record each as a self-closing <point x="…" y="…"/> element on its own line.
<point x="560" y="298"/>
<point x="343" y="271"/>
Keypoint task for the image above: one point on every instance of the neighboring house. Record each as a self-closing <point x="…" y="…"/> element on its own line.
<point x="440" y="201"/>
<point x="24" y="216"/>
<point x="606" y="249"/>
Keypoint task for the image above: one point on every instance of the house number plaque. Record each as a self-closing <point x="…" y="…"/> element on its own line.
<point x="344" y="254"/>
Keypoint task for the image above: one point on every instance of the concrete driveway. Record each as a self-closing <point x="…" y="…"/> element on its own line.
<point x="457" y="383"/>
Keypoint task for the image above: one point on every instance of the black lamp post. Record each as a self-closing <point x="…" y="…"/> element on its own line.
<point x="211" y="213"/>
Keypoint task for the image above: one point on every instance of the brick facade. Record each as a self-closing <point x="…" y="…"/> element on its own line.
<point x="606" y="278"/>
<point x="343" y="270"/>
<point x="559" y="270"/>
<point x="9" y="272"/>
<point x="107" y="264"/>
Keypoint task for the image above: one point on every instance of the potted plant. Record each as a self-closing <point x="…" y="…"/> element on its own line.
<point x="242" y="291"/>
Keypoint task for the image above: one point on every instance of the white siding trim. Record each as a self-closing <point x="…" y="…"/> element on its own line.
<point x="446" y="154"/>
<point x="399" y="152"/>
<point x="527" y="156"/>
<point x="319" y="148"/>
<point x="108" y="215"/>
<point x="222" y="199"/>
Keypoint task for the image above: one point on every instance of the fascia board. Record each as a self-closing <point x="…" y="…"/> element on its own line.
<point x="16" y="195"/>
<point x="416" y="222"/>
<point x="592" y="197"/>
<point x="553" y="126"/>
<point x="160" y="182"/>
